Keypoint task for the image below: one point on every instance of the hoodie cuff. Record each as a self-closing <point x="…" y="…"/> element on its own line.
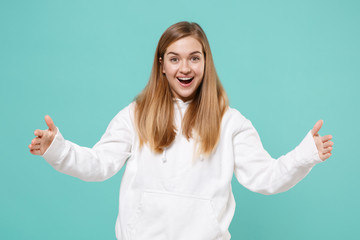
<point x="308" y="151"/>
<point x="54" y="153"/>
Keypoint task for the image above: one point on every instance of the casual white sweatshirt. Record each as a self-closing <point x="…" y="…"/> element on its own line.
<point x="171" y="197"/>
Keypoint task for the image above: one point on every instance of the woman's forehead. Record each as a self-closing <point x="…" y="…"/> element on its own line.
<point x="185" y="46"/>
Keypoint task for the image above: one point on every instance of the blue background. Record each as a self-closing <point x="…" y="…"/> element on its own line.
<point x="284" y="64"/>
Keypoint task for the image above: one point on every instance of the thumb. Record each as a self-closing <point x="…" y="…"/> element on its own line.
<point x="50" y="123"/>
<point x="317" y="127"/>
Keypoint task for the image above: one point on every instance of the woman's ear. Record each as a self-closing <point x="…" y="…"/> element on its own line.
<point x="161" y="65"/>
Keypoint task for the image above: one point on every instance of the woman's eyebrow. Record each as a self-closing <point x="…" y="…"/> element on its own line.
<point x="196" y="52"/>
<point x="179" y="54"/>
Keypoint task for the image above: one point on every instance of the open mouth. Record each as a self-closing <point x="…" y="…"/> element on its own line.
<point x="185" y="81"/>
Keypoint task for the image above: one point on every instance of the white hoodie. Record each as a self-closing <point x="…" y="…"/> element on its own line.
<point x="169" y="196"/>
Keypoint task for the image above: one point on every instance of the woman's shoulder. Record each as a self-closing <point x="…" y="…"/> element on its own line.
<point x="233" y="118"/>
<point x="125" y="115"/>
<point x="126" y="111"/>
<point x="234" y="113"/>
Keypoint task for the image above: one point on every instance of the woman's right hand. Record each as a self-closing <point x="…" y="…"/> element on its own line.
<point x="43" y="138"/>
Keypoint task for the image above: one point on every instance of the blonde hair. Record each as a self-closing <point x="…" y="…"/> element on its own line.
<point x="154" y="111"/>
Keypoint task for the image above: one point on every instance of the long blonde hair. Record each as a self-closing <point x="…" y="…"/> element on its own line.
<point x="154" y="111"/>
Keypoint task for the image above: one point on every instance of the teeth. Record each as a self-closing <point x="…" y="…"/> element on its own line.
<point x="184" y="79"/>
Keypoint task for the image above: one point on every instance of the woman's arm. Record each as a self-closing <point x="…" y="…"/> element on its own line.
<point x="259" y="172"/>
<point x="89" y="164"/>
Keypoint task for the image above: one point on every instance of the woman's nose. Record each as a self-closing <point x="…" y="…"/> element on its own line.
<point x="184" y="68"/>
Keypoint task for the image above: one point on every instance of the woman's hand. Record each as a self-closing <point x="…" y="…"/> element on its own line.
<point x="43" y="138"/>
<point x="323" y="144"/>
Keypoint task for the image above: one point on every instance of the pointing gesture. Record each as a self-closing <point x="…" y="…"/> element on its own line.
<point x="323" y="144"/>
<point x="43" y="138"/>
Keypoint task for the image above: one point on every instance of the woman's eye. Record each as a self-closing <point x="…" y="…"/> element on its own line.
<point x="174" y="60"/>
<point x="195" y="59"/>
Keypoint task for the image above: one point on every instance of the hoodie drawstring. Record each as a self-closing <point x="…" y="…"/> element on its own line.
<point x="164" y="156"/>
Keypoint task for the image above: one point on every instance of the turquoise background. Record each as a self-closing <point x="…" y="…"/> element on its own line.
<point x="284" y="64"/>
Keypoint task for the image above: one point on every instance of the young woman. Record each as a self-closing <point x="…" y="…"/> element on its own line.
<point x="182" y="144"/>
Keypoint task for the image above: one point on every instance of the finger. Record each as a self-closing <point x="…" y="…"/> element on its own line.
<point x="50" y="123"/>
<point x="36" y="141"/>
<point x="35" y="152"/>
<point x="326" y="156"/>
<point x="317" y="127"/>
<point x="34" y="147"/>
<point x="326" y="138"/>
<point x="328" y="144"/>
<point x="327" y="150"/>
<point x="39" y="133"/>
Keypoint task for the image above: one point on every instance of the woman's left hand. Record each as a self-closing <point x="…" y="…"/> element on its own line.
<point x="323" y="144"/>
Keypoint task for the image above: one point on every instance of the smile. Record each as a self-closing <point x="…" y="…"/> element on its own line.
<point x="185" y="81"/>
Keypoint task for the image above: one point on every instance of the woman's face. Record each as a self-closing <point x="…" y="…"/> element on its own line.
<point x="183" y="65"/>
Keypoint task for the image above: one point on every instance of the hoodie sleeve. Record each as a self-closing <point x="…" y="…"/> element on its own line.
<point x="256" y="170"/>
<point x="98" y="163"/>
